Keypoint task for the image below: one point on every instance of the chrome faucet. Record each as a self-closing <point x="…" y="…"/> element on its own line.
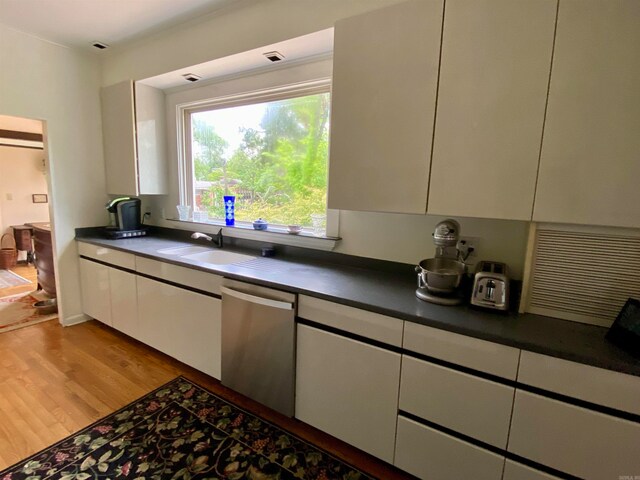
<point x="216" y="239"/>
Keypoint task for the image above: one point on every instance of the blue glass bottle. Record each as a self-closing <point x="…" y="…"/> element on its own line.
<point x="230" y="210"/>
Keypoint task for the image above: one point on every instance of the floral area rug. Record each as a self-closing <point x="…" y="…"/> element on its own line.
<point x="17" y="311"/>
<point x="182" y="431"/>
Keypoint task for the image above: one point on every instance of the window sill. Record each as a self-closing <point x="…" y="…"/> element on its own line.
<point x="276" y="235"/>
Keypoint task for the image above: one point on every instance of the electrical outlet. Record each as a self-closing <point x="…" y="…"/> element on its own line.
<point x="469" y="246"/>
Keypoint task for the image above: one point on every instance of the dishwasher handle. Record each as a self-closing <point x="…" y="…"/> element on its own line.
<point x="267" y="302"/>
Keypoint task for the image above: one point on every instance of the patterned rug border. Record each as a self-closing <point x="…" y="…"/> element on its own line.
<point x="167" y="385"/>
<point x="94" y="424"/>
<point x="297" y="437"/>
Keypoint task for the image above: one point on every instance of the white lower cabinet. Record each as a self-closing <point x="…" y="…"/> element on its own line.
<point x="348" y="389"/>
<point x="124" y="302"/>
<point x="464" y="403"/>
<point x="517" y="471"/>
<point x="180" y="323"/>
<point x="96" y="294"/>
<point x="572" y="439"/>
<point x="109" y="295"/>
<point x="432" y="455"/>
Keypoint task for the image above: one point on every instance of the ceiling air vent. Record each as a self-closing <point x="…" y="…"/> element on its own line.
<point x="191" y="77"/>
<point x="100" y="45"/>
<point x="274" y="56"/>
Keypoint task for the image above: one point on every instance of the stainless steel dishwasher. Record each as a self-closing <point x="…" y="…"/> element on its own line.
<point x="258" y="343"/>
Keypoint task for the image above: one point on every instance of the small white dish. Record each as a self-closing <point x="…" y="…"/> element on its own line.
<point x="294" y="229"/>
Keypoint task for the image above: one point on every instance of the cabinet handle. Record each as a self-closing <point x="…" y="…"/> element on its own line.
<point x="267" y="302"/>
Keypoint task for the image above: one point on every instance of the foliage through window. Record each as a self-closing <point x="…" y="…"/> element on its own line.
<point x="272" y="156"/>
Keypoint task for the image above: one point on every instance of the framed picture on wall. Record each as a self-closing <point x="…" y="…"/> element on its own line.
<point x="40" y="198"/>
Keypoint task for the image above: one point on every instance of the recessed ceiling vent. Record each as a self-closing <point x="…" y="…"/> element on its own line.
<point x="274" y="56"/>
<point x="100" y="45"/>
<point x="191" y="77"/>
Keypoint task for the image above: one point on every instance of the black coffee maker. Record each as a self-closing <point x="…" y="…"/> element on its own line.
<point x="125" y="218"/>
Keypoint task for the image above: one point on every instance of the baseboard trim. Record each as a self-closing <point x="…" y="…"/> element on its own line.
<point x="75" y="319"/>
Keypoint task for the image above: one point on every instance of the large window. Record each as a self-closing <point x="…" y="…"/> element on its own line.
<point x="271" y="154"/>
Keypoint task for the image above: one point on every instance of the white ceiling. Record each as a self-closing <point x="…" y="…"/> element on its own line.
<point x="78" y="23"/>
<point x="296" y="49"/>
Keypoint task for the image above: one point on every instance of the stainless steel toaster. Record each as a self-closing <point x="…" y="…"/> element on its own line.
<point x="491" y="286"/>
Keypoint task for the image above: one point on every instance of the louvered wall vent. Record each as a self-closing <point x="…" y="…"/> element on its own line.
<point x="585" y="277"/>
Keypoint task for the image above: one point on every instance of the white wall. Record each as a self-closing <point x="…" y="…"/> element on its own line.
<point x="242" y="26"/>
<point x="407" y="238"/>
<point x="21" y="175"/>
<point x="45" y="81"/>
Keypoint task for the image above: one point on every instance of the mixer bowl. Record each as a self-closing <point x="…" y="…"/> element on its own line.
<point x="441" y="275"/>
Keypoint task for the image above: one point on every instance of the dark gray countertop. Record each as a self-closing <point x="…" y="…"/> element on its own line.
<point x="392" y="292"/>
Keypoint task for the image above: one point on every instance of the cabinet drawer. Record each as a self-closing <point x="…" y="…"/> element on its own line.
<point x="488" y="357"/>
<point x="592" y="384"/>
<point x="207" y="282"/>
<point x="348" y="389"/>
<point x="107" y="255"/>
<point x="368" y="324"/>
<point x="517" y="471"/>
<point x="430" y="454"/>
<point x="467" y="404"/>
<point x="575" y="440"/>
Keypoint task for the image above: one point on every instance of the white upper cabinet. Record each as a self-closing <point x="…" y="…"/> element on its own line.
<point x="133" y="127"/>
<point x="118" y="136"/>
<point x="494" y="75"/>
<point x="383" y="101"/>
<point x="590" y="162"/>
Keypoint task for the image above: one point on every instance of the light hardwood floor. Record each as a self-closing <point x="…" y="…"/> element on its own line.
<point x="27" y="272"/>
<point x="56" y="380"/>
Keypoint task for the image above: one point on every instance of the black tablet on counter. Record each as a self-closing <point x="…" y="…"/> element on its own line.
<point x="625" y="331"/>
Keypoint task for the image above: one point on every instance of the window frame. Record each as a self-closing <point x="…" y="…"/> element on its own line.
<point x="186" y="179"/>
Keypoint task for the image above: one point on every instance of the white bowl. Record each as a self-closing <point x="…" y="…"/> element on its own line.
<point x="294" y="229"/>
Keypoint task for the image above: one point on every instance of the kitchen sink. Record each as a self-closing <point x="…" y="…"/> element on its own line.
<point x="182" y="250"/>
<point x="218" y="257"/>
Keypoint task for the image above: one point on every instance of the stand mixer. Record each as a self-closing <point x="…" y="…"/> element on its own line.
<point x="439" y="278"/>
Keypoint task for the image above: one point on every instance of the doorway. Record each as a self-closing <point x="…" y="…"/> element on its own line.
<point x="26" y="261"/>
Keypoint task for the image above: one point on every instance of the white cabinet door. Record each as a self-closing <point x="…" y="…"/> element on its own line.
<point x="385" y="75"/>
<point x="441" y="395"/>
<point x="584" y="382"/>
<point x="124" y="302"/>
<point x="180" y="323"/>
<point x="433" y="455"/>
<point x="462" y="350"/>
<point x="589" y="165"/>
<point x="348" y="389"/>
<point x="199" y="344"/>
<point x="494" y="74"/>
<point x="118" y="136"/>
<point x="134" y="139"/>
<point x="517" y="471"/>
<point x="574" y="440"/>
<point x="151" y="135"/>
<point x="96" y="294"/>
